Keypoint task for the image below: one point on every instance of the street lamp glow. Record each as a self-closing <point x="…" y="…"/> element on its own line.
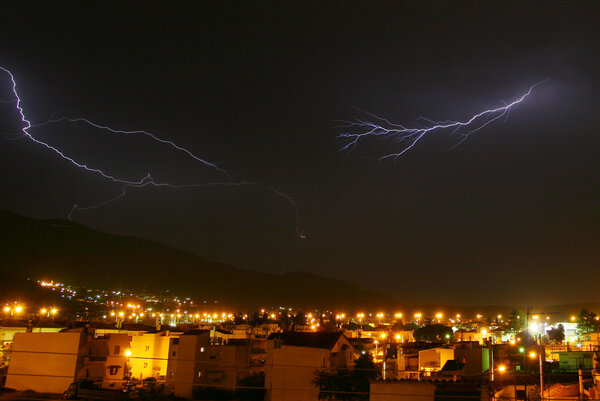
<point x="532" y="354"/>
<point x="18" y="309"/>
<point x="502" y="368"/>
<point x="43" y="311"/>
<point x="127" y="353"/>
<point x="7" y="309"/>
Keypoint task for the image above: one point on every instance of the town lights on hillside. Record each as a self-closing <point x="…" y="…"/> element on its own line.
<point x="398" y="315"/>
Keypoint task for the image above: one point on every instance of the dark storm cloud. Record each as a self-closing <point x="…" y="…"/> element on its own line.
<point x="509" y="216"/>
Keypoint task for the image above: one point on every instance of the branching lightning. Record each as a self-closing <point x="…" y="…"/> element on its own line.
<point x="146" y="181"/>
<point x="378" y="127"/>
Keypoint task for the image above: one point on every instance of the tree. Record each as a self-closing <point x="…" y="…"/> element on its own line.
<point x="557" y="335"/>
<point x="299" y="319"/>
<point x="516" y="321"/>
<point x="586" y="322"/>
<point x="433" y="333"/>
<point x="347" y="384"/>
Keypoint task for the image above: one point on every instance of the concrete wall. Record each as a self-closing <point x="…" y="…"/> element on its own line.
<point x="289" y="372"/>
<point x="194" y="363"/>
<point x="434" y="359"/>
<point x="149" y="354"/>
<point x="477" y="360"/>
<point x="402" y="391"/>
<point x="44" y="362"/>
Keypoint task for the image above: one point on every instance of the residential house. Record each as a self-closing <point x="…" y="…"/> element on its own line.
<point x="150" y="354"/>
<point x="49" y="362"/>
<point x="294" y="358"/>
<point x="9" y="327"/>
<point x="433" y="359"/>
<point x="196" y="362"/>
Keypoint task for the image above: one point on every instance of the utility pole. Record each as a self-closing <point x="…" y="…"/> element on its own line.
<point x="541" y="357"/>
<point x="491" y="358"/>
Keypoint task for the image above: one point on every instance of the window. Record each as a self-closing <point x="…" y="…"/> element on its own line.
<point x="175" y="341"/>
<point x="117" y="349"/>
<point x="145" y="364"/>
<point x="114" y="369"/>
<point x="147" y="348"/>
<point x="201" y="349"/>
<point x="174" y="353"/>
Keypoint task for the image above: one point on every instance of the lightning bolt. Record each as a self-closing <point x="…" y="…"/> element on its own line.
<point x="129" y="183"/>
<point x="379" y="127"/>
<point x="148" y="181"/>
<point x="134" y="132"/>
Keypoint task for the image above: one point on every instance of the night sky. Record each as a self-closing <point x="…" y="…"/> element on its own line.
<point x="510" y="216"/>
